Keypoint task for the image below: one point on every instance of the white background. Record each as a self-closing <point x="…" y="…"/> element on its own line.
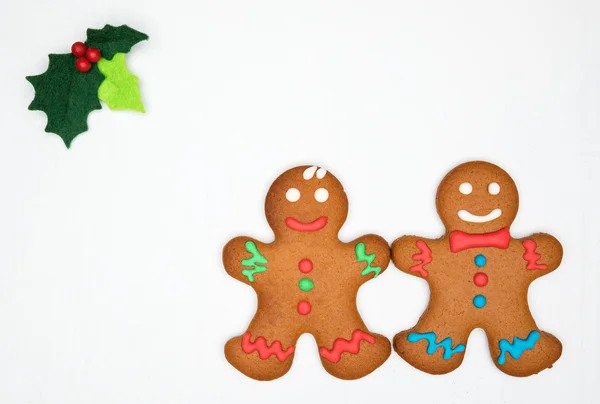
<point x="111" y="284"/>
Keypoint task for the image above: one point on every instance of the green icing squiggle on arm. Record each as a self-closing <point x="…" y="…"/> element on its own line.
<point x="362" y="256"/>
<point x="257" y="258"/>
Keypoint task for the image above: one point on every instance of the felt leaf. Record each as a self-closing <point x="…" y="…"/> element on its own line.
<point x="120" y="90"/>
<point x="112" y="40"/>
<point x="66" y="95"/>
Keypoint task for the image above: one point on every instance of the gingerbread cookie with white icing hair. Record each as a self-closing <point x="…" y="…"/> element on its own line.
<point x="306" y="281"/>
<point x="479" y="277"/>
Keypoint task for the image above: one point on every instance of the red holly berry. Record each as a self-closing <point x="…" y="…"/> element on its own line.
<point x="78" y="49"/>
<point x="93" y="55"/>
<point x="83" y="65"/>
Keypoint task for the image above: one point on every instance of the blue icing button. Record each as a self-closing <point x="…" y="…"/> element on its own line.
<point x="480" y="260"/>
<point x="479" y="301"/>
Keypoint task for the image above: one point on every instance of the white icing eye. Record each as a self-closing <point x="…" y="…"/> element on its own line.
<point x="321" y="195"/>
<point x="494" y="188"/>
<point x="465" y="188"/>
<point x="292" y="195"/>
<point x="321" y="172"/>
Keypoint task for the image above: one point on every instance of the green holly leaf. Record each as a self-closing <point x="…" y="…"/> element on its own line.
<point x="112" y="40"/>
<point x="66" y="95"/>
<point x="120" y="90"/>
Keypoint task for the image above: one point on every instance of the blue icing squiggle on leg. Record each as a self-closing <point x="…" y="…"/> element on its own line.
<point x="432" y="346"/>
<point x="518" y="346"/>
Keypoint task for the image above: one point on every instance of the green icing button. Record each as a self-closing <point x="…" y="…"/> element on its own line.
<point x="306" y="284"/>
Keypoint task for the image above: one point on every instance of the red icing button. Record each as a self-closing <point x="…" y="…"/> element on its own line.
<point x="480" y="279"/>
<point x="304" y="307"/>
<point x="305" y="266"/>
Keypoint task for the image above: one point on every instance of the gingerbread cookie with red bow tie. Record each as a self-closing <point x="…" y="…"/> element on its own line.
<point x="479" y="277"/>
<point x="306" y="281"/>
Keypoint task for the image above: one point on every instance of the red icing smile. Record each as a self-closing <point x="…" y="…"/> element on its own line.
<point x="316" y="225"/>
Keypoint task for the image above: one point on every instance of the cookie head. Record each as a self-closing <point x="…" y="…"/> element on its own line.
<point x="306" y="201"/>
<point x="477" y="197"/>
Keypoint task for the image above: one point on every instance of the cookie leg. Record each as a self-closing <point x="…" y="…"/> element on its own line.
<point x="353" y="353"/>
<point x="436" y="344"/>
<point x="520" y="349"/>
<point x="264" y="351"/>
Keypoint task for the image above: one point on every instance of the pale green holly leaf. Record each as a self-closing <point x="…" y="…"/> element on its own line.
<point x="120" y="89"/>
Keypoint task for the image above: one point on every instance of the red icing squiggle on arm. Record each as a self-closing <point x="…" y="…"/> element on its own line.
<point x="424" y="256"/>
<point x="531" y="256"/>
<point x="265" y="351"/>
<point x="341" y="345"/>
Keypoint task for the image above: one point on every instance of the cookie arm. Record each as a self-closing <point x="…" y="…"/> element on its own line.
<point x="542" y="254"/>
<point x="411" y="254"/>
<point x="373" y="254"/>
<point x="243" y="259"/>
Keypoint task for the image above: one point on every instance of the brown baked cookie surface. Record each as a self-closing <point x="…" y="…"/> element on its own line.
<point x="306" y="281"/>
<point x="479" y="277"/>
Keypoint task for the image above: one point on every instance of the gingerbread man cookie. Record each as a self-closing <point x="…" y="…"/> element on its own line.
<point x="306" y="281"/>
<point x="479" y="277"/>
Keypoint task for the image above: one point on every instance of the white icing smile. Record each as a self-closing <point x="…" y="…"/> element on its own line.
<point x="469" y="217"/>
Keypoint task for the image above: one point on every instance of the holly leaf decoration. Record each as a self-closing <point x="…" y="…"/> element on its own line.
<point x="112" y="40"/>
<point x="74" y="83"/>
<point x="66" y="95"/>
<point x="120" y="90"/>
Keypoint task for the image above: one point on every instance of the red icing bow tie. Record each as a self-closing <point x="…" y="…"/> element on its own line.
<point x="459" y="240"/>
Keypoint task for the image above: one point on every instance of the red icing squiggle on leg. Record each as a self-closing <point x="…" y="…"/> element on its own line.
<point x="531" y="256"/>
<point x="424" y="256"/>
<point x="341" y="345"/>
<point x="265" y="351"/>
